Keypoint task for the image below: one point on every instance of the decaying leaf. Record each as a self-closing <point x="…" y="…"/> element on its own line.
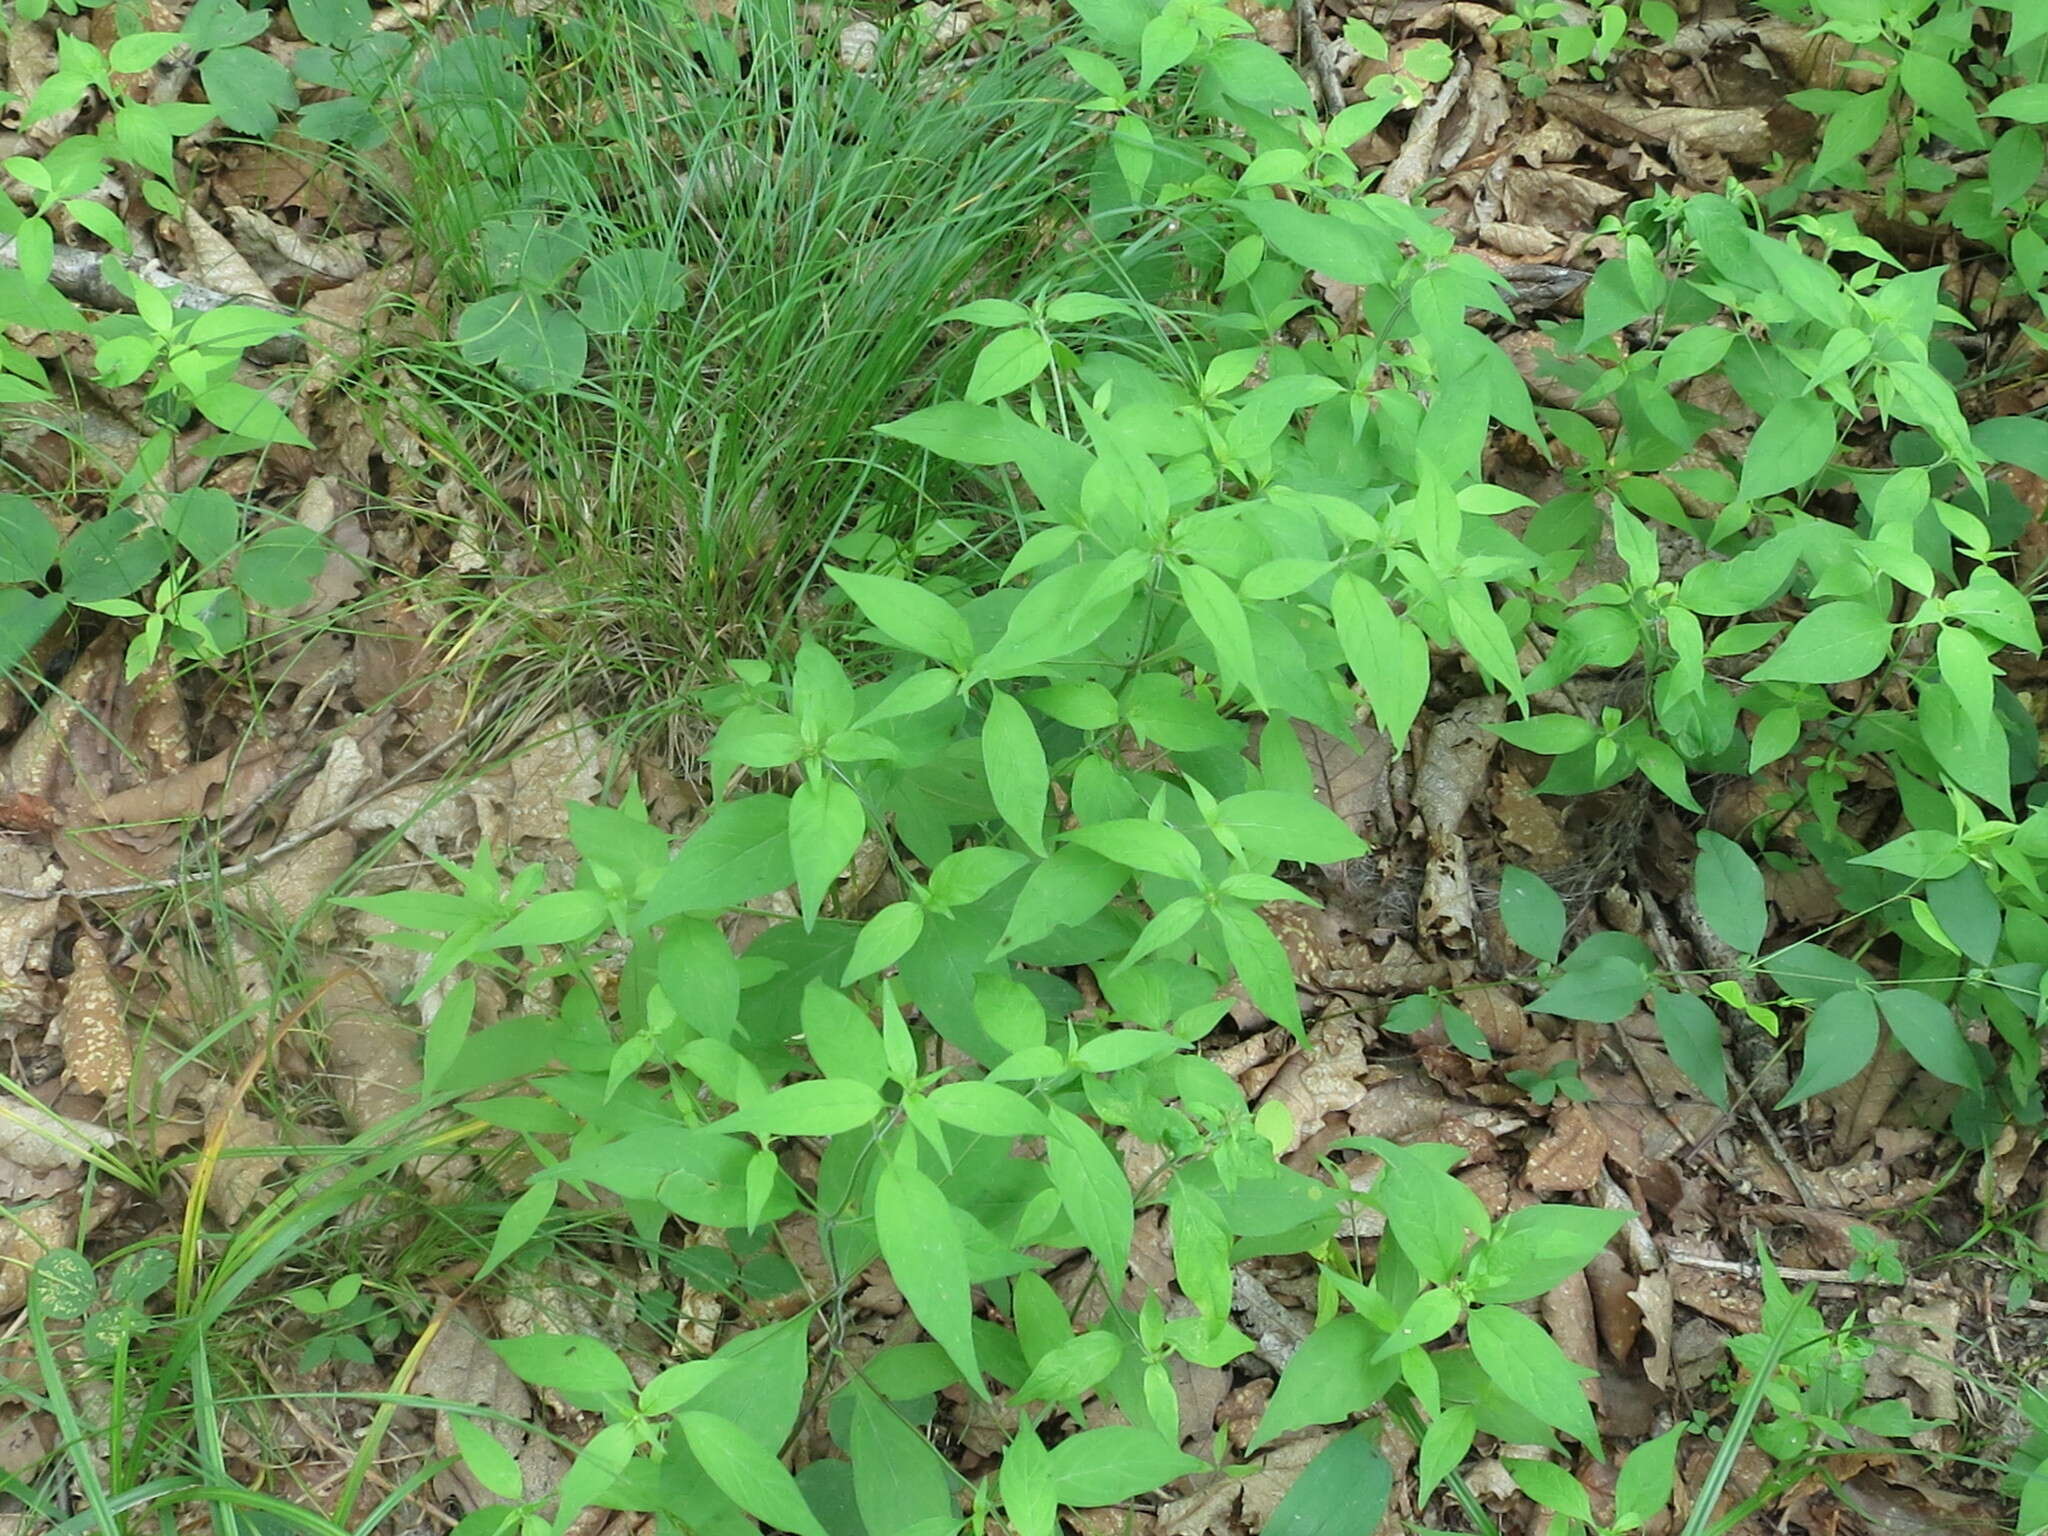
<point x="459" y="1367"/>
<point x="1450" y="774"/>
<point x="559" y="768"/>
<point x="246" y="1164"/>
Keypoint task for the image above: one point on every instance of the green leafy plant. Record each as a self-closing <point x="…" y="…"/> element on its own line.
<point x="1547" y="37"/>
<point x="352" y="1325"/>
<point x="187" y="566"/>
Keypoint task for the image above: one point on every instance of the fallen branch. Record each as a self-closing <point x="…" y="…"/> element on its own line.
<point x="78" y="276"/>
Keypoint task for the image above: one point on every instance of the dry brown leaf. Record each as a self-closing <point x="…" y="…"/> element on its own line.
<point x="1499" y="1018"/>
<point x="1568" y="1314"/>
<point x="1418" y="156"/>
<point x="340" y="780"/>
<point x="1652" y="1295"/>
<point x="244" y="1166"/>
<point x="1556" y="200"/>
<point x="132" y="835"/>
<point x="1352" y="775"/>
<point x="427" y="815"/>
<point x="290" y="887"/>
<point x="90" y="1027"/>
<point x="1740" y="133"/>
<point x="1616" y="1313"/>
<point x="1400" y="1108"/>
<point x="40" y="1139"/>
<point x="1525" y="241"/>
<point x="1916" y="1357"/>
<point x="218" y="265"/>
<point x="372" y="1056"/>
<point x="341" y="321"/>
<point x="1817" y="60"/>
<point x="1326" y="1077"/>
<point x="285" y="251"/>
<point x="459" y="1367"/>
<point x="1450" y="774"/>
<point x="1732" y="1300"/>
<point x="1528" y="823"/>
<point x="558" y="769"/>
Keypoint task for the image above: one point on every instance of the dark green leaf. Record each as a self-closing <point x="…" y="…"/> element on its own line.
<point x="1603" y="991"/>
<point x="1929" y="1032"/>
<point x="529" y="340"/>
<point x="1014" y="760"/>
<point x="28" y="540"/>
<point x="1840" y="1039"/>
<point x="748" y="1473"/>
<point x="1342" y="1492"/>
<point x="1692" y="1038"/>
<point x="740" y="852"/>
<point x="1730" y="891"/>
<point x="1538" y="1246"/>
<point x="1835" y="643"/>
<point x="1107" y="1466"/>
<point x="1093" y="1189"/>
<point x="1793" y="444"/>
<point x="1332" y="1375"/>
<point x="920" y="1239"/>
<point x="1525" y="1363"/>
<point x="1532" y="913"/>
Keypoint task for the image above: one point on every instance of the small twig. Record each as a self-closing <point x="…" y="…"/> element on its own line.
<point x="1321" y="56"/>
<point x="1750" y="1270"/>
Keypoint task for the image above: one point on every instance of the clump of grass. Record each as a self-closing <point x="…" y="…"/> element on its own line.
<point x="680" y="497"/>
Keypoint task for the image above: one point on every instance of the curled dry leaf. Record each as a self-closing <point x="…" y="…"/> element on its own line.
<point x="290" y="887"/>
<point x="372" y="1056"/>
<point x="1418" y="156"/>
<point x="1522" y="240"/>
<point x="340" y="780"/>
<point x="1326" y="1077"/>
<point x="1451" y="772"/>
<point x="1741" y="133"/>
<point x="1616" y="1314"/>
<point x="1916" y="1356"/>
<point x="1652" y="1295"/>
<point x="40" y="1139"/>
<point x="1732" y="1300"/>
<point x="284" y="250"/>
<point x="1555" y="200"/>
<point x="1568" y="1314"/>
<point x="427" y="815"/>
<point x="133" y="835"/>
<point x="217" y="264"/>
<point x="1820" y="61"/>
